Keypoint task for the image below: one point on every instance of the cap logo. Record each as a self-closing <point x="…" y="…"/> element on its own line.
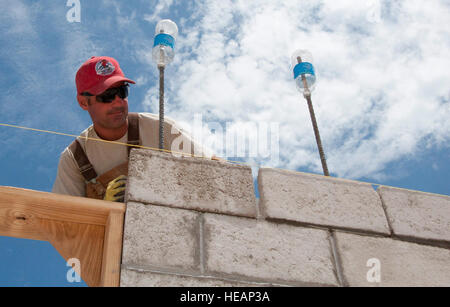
<point x="104" y="68"/>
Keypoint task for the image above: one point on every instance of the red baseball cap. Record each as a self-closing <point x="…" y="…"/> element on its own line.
<point x="98" y="74"/>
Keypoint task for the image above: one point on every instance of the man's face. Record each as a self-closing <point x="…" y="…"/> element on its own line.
<point x="110" y="115"/>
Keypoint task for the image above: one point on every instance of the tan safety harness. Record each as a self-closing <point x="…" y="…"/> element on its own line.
<point x="96" y="185"/>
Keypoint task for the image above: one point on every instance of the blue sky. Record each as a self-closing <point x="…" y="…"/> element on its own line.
<point x="381" y="98"/>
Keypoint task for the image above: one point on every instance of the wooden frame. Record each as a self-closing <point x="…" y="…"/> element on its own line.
<point x="87" y="229"/>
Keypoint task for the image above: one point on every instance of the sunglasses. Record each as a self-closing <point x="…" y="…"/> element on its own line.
<point x="110" y="94"/>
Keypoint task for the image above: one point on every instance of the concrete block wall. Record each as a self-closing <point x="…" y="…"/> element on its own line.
<point x="196" y="222"/>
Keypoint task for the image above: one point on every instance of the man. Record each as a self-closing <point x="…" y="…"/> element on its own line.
<point x="98" y="169"/>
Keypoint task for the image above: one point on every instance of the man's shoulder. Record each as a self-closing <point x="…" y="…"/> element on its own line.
<point x="147" y="116"/>
<point x="67" y="156"/>
<point x="88" y="133"/>
<point x="144" y="116"/>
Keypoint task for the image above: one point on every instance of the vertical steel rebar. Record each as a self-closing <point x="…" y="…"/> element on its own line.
<point x="161" y="106"/>
<point x="307" y="95"/>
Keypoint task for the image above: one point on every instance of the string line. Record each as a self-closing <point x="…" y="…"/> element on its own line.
<point x="173" y="152"/>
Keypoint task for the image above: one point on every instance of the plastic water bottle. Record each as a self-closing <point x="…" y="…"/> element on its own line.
<point x="303" y="69"/>
<point x="164" y="44"/>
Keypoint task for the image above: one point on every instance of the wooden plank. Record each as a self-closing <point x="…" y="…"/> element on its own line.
<point x="112" y="250"/>
<point x="19" y="223"/>
<point x="87" y="229"/>
<point x="81" y="241"/>
<point x="14" y="201"/>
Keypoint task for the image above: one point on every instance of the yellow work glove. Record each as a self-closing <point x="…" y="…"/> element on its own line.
<point x="116" y="189"/>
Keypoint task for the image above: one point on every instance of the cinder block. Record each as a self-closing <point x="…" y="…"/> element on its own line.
<point x="269" y="252"/>
<point x="398" y="263"/>
<point x="417" y="214"/>
<point x="163" y="237"/>
<point x="190" y="183"/>
<point x="320" y="200"/>
<point x="133" y="278"/>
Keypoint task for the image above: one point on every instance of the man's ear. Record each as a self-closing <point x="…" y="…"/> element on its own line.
<point x="83" y="102"/>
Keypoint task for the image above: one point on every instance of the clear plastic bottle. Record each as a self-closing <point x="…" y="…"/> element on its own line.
<point x="164" y="44"/>
<point x="303" y="69"/>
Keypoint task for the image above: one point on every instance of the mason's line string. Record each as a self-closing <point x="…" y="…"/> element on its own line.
<point x="163" y="150"/>
<point x="117" y="143"/>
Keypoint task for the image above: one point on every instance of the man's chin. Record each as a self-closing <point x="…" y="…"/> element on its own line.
<point x="117" y="120"/>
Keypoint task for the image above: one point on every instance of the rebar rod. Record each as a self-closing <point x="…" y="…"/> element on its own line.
<point x="161" y="106"/>
<point x="307" y="95"/>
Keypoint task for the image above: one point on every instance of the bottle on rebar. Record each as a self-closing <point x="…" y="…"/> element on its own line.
<point x="166" y="33"/>
<point x="303" y="69"/>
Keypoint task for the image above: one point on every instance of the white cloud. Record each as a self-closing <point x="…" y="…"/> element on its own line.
<point x="161" y="7"/>
<point x="382" y="76"/>
<point x="383" y="83"/>
<point x="16" y="18"/>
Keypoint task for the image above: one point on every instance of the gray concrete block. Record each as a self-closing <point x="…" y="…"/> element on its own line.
<point x="417" y="214"/>
<point x="191" y="183"/>
<point x="399" y="263"/>
<point x="263" y="251"/>
<point x="163" y="237"/>
<point x="133" y="278"/>
<point x="319" y="200"/>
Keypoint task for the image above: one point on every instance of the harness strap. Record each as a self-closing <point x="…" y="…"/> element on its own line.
<point x="133" y="130"/>
<point x="85" y="166"/>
